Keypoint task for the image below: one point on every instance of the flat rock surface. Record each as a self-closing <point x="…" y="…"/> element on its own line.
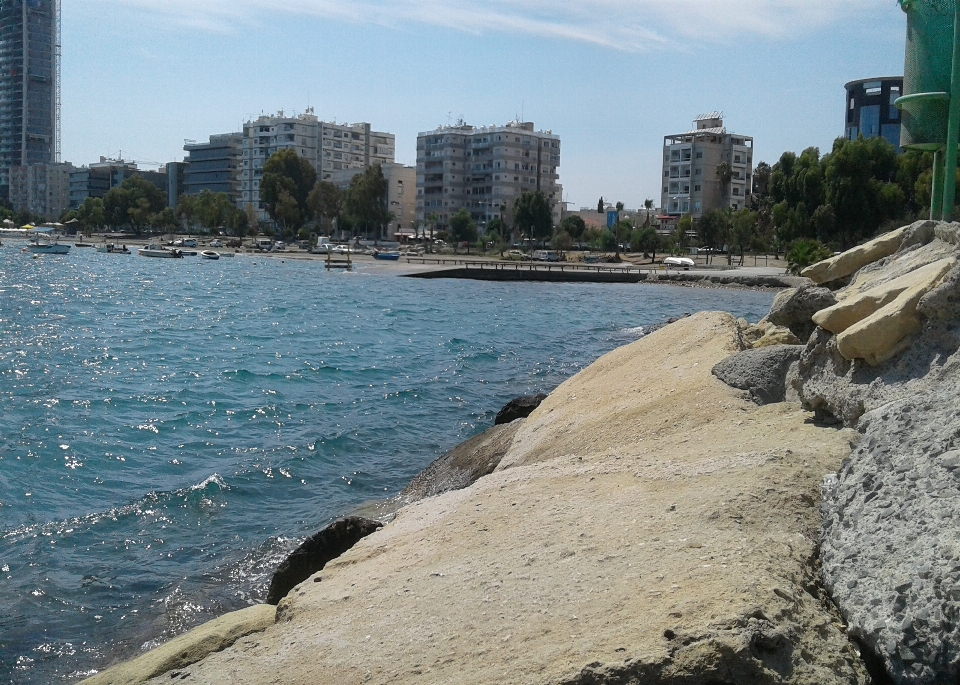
<point x="648" y="524"/>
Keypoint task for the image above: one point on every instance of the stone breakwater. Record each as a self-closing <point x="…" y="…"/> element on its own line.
<point x="718" y="503"/>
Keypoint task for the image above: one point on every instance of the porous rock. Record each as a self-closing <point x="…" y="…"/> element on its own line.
<point x="762" y="372"/>
<point x="794" y="309"/>
<point x="853" y="260"/>
<point x="189" y="648"/>
<point x="464" y="464"/>
<point x="890" y="550"/>
<point x="518" y="408"/>
<point x="943" y="302"/>
<point x="316" y="551"/>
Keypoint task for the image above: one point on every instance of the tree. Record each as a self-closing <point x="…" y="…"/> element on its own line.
<point x="714" y="228"/>
<point x="531" y="212"/>
<point x="366" y="200"/>
<point x="647" y="205"/>
<point x="761" y="180"/>
<point x="326" y="202"/>
<point x="463" y="228"/>
<point x="132" y="203"/>
<point x="562" y="242"/>
<point x="287" y="172"/>
<point x="804" y="252"/>
<point x="574" y="226"/>
<point x="91" y="214"/>
<point x="600" y="205"/>
<point x="684" y="226"/>
<point x="743" y="230"/>
<point x="645" y="240"/>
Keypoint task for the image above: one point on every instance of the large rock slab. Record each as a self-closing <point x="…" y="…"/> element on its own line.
<point x="316" y="551"/>
<point x="189" y="648"/>
<point x="853" y="260"/>
<point x="518" y="408"/>
<point x="891" y="314"/>
<point x="648" y="524"/>
<point x="891" y="550"/>
<point x="762" y="372"/>
<point x="464" y="464"/>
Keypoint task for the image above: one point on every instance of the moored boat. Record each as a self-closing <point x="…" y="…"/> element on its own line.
<point x="391" y="256"/>
<point x="43" y="246"/>
<point x="209" y="254"/>
<point x="110" y="248"/>
<point x="155" y="250"/>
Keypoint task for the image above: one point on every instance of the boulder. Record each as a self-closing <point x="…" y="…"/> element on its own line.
<point x="765" y="334"/>
<point x="189" y="648"/>
<point x="316" y="551"/>
<point x="889" y="548"/>
<point x="762" y="372"/>
<point x="794" y="309"/>
<point x="878" y="324"/>
<point x="518" y="408"/>
<point x="464" y="464"/>
<point x="943" y="302"/>
<point x="856" y="258"/>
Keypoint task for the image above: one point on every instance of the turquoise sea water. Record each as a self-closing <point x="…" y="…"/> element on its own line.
<point x="169" y="429"/>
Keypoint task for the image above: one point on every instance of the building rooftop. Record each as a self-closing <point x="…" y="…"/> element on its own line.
<point x="709" y="115"/>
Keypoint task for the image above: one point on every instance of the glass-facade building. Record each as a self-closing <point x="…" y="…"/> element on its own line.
<point x="870" y="109"/>
<point x="28" y="85"/>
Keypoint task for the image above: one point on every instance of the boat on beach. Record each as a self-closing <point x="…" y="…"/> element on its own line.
<point x="209" y="254"/>
<point x="680" y="262"/>
<point x="391" y="256"/>
<point x="155" y="250"/>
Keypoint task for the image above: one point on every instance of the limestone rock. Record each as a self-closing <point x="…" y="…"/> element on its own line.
<point x="316" y="551"/>
<point x="765" y="334"/>
<point x="943" y="302"/>
<point x="762" y="371"/>
<point x="854" y="259"/>
<point x="890" y="551"/>
<point x="885" y="317"/>
<point x="794" y="309"/>
<point x="190" y="647"/>
<point x="518" y="408"/>
<point x="464" y="464"/>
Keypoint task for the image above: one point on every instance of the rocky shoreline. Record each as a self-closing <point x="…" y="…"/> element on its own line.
<point x="717" y="503"/>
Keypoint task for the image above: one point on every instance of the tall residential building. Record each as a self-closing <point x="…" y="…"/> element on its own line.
<point x="176" y="175"/>
<point x="691" y="160"/>
<point x="870" y="109"/>
<point x="41" y="189"/>
<point x="29" y="85"/>
<point x="484" y="170"/>
<point x="214" y="166"/>
<point x="329" y="147"/>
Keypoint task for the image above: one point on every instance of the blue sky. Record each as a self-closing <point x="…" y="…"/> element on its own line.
<point x="611" y="77"/>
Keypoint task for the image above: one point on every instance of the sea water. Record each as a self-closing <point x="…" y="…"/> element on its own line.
<point x="170" y="429"/>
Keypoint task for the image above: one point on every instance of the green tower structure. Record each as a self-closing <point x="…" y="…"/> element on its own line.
<point x="930" y="105"/>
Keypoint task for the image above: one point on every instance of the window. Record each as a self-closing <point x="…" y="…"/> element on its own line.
<point x="699" y="155"/>
<point x="736" y="191"/>
<point x="698" y="172"/>
<point x="696" y="189"/>
<point x="696" y="206"/>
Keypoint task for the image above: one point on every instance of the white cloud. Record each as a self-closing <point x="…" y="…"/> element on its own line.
<point x="630" y="25"/>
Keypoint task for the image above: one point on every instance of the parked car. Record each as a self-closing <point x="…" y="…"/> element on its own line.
<point x="216" y="243"/>
<point x="545" y="256"/>
<point x="517" y="256"/>
<point x="188" y="242"/>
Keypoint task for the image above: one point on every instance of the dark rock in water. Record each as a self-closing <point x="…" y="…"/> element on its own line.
<point x="761" y="371"/>
<point x="794" y="309"/>
<point x="464" y="464"/>
<point x="518" y="408"/>
<point x="316" y="551"/>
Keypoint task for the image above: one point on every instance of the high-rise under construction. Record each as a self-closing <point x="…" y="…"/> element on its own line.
<point x="29" y="85"/>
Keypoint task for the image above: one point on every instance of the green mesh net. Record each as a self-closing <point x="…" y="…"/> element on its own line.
<point x="928" y="63"/>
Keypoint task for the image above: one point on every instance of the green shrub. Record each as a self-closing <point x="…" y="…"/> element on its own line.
<point x="804" y="252"/>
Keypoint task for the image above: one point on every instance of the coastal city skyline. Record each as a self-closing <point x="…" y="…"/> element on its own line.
<point x="141" y="77"/>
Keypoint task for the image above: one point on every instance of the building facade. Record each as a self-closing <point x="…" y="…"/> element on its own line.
<point x="214" y="166"/>
<point x="329" y="147"/>
<point x="485" y="170"/>
<point x="97" y="179"/>
<point x="692" y="182"/>
<point x="29" y="85"/>
<point x="401" y="196"/>
<point x="41" y="189"/>
<point x="870" y="111"/>
<point x="176" y="175"/>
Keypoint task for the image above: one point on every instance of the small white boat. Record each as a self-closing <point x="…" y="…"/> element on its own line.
<point x="38" y="246"/>
<point x="110" y="248"/>
<point x="680" y="262"/>
<point x="209" y="254"/>
<point x="155" y="250"/>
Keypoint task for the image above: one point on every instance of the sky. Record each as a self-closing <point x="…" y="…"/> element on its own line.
<point x="610" y="77"/>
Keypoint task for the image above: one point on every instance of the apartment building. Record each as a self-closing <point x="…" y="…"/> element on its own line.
<point x="870" y="109"/>
<point x="484" y="170"/>
<point x="692" y="183"/>
<point x="329" y="147"/>
<point x="29" y="85"/>
<point x="100" y="177"/>
<point x="41" y="189"/>
<point x="214" y="166"/>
